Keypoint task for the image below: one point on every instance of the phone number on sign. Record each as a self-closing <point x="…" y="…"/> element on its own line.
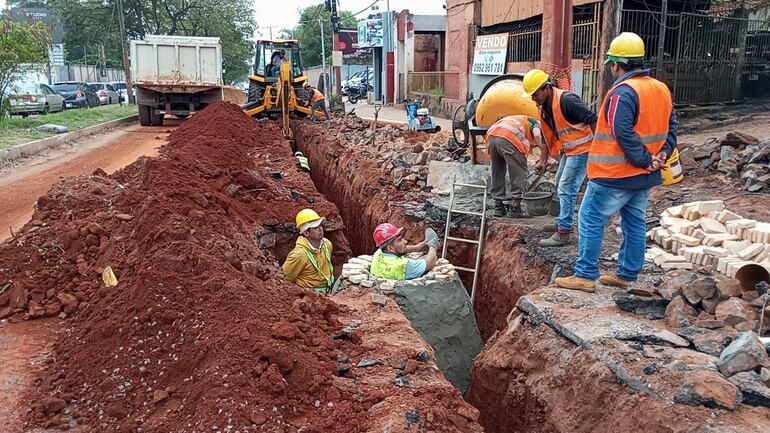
<point x="496" y="68"/>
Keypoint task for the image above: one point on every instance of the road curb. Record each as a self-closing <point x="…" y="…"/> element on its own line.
<point x="33" y="147"/>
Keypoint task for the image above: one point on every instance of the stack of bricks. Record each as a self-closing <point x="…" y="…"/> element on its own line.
<point x="355" y="275"/>
<point x="705" y="233"/>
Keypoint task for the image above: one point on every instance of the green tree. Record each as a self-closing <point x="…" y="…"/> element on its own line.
<point x="21" y="45"/>
<point x="308" y="32"/>
<point x="92" y="25"/>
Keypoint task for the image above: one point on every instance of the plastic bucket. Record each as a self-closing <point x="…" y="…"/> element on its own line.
<point x="672" y="172"/>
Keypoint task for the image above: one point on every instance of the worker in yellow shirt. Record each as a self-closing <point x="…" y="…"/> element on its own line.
<point x="309" y="264"/>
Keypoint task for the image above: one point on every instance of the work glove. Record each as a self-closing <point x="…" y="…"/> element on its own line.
<point x="431" y="238"/>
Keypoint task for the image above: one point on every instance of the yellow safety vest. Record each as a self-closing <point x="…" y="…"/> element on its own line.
<point x="389" y="266"/>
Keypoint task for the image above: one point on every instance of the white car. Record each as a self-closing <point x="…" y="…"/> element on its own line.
<point x="32" y="98"/>
<point x="120" y="87"/>
<point x="107" y="93"/>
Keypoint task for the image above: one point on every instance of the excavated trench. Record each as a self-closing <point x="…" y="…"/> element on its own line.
<point x="532" y="375"/>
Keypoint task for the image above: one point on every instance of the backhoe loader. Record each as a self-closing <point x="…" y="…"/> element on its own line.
<point x="276" y="90"/>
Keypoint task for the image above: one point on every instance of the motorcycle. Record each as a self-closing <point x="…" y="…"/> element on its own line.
<point x="358" y="91"/>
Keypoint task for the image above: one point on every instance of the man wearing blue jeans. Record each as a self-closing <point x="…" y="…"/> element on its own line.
<point x="567" y="125"/>
<point x="635" y="133"/>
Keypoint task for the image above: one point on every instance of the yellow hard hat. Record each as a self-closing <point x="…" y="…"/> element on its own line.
<point x="307" y="215"/>
<point x="626" y="46"/>
<point x="534" y="80"/>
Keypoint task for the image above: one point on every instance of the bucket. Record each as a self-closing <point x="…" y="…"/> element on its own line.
<point x="537" y="203"/>
<point x="672" y="172"/>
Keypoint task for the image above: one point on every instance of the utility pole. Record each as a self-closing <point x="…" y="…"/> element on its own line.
<point x="332" y="6"/>
<point x="323" y="57"/>
<point x="123" y="44"/>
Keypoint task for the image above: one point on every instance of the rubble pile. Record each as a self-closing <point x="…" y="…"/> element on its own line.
<point x="200" y="333"/>
<point x="739" y="156"/>
<point x="403" y="155"/>
<point x="705" y="233"/>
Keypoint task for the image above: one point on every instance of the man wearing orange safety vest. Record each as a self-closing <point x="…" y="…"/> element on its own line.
<point x="568" y="126"/>
<point x="309" y="264"/>
<point x="635" y="134"/>
<point x="317" y="101"/>
<point x="508" y="143"/>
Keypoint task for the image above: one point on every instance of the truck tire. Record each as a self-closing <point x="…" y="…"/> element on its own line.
<point x="157" y="119"/>
<point x="145" y="118"/>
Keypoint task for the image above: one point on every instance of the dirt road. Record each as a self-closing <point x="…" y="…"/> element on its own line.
<point x="22" y="185"/>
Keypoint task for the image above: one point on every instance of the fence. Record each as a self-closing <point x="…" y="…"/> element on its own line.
<point x="524" y="44"/>
<point x="91" y="74"/>
<point x="441" y="83"/>
<point x="704" y="58"/>
<point x="586" y="46"/>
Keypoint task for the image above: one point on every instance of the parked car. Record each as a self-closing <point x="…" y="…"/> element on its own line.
<point x="31" y="98"/>
<point x="77" y="94"/>
<point x="120" y="87"/>
<point x="107" y="93"/>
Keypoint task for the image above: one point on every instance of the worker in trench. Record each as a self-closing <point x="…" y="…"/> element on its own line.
<point x="317" y="102"/>
<point x="390" y="260"/>
<point x="635" y="134"/>
<point x="309" y="264"/>
<point x="302" y="162"/>
<point x="568" y="125"/>
<point x="508" y="144"/>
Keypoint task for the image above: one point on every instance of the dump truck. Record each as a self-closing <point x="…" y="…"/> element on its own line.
<point x="175" y="75"/>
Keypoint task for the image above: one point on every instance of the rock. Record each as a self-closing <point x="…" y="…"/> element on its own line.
<point x="710" y="305"/>
<point x="728" y="287"/>
<point x="159" y="395"/>
<point x="53" y="405"/>
<point x="744" y="354"/>
<point x="708" y="321"/>
<point x="672" y="286"/>
<point x="739" y="139"/>
<point x="655" y="307"/>
<point x="765" y="376"/>
<point x="368" y="363"/>
<point x="640" y="289"/>
<point x="422" y="356"/>
<point x="402" y="382"/>
<point x="35" y="310"/>
<point x="69" y="302"/>
<point x="380" y="300"/>
<point x="52" y="128"/>
<point x="469" y="412"/>
<point x="701" y="288"/>
<point x="124" y="217"/>
<point x="755" y="392"/>
<point x="679" y="307"/>
<point x="728" y="167"/>
<point x="734" y="311"/>
<point x="705" y="340"/>
<point x="284" y="331"/>
<point x="709" y="389"/>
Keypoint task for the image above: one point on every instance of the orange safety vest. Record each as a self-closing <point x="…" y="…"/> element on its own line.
<point x="574" y="139"/>
<point x="606" y="159"/>
<point x="516" y="130"/>
<point x="317" y="96"/>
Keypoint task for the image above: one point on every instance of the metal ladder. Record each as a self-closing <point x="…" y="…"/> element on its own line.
<point x="478" y="242"/>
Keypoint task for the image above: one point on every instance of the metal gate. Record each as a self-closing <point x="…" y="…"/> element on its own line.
<point x="586" y="46"/>
<point x="704" y="58"/>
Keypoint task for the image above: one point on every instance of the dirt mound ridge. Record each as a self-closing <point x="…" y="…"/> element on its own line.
<point x="200" y="333"/>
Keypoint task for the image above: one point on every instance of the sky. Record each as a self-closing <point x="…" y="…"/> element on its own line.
<point x="284" y="13"/>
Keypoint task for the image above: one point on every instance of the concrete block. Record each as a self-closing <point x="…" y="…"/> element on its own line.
<point x="709" y="225"/>
<point x="715" y="240"/>
<point x="667" y="222"/>
<point x="698" y="234"/>
<point x="716" y="251"/>
<point x="705" y="207"/>
<point x="723" y="262"/>
<point x="735" y="247"/>
<point x="677" y="265"/>
<point x="764" y="254"/>
<point x="725" y="215"/>
<point x="685" y="240"/>
<point x="676" y="211"/>
<point x="360" y="262"/>
<point x="751" y="251"/>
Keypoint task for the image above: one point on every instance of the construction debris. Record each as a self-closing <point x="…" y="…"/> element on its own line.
<point x="739" y="156"/>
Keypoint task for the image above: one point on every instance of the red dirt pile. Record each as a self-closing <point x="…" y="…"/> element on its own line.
<point x="200" y="334"/>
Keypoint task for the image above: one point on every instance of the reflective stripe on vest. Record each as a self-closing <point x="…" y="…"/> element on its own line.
<point x="317" y="96"/>
<point x="515" y="129"/>
<point x="303" y="162"/>
<point x="389" y="266"/>
<point x="573" y="139"/>
<point x="606" y="159"/>
<point x="328" y="278"/>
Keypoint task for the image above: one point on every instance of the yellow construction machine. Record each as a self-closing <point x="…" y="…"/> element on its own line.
<point x="277" y="90"/>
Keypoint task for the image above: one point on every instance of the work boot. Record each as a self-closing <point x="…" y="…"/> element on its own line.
<point x="576" y="283"/>
<point x="499" y="208"/>
<point x="516" y="212"/>
<point x="614" y="280"/>
<point x="560" y="238"/>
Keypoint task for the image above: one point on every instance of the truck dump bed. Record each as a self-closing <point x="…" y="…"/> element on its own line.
<point x="176" y="63"/>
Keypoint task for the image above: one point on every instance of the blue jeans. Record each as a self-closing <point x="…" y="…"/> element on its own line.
<point x="571" y="174"/>
<point x="599" y="204"/>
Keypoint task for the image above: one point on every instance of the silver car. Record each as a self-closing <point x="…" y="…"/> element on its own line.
<point x="107" y="93"/>
<point x="31" y="98"/>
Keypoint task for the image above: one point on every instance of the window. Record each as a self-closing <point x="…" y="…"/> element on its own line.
<point x="110" y="88"/>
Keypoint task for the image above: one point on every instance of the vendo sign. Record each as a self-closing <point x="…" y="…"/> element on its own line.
<point x="489" y="54"/>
